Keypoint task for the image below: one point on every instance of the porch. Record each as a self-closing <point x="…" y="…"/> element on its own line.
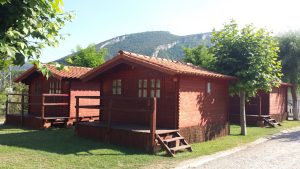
<point x="40" y="111"/>
<point x="146" y="137"/>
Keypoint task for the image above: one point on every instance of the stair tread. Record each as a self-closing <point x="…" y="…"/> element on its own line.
<point x="180" y="147"/>
<point x="173" y="139"/>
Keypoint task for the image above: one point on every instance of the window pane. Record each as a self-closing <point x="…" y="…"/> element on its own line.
<point x="157" y="83"/>
<point x="145" y="93"/>
<point x="118" y="90"/>
<point x="119" y="83"/>
<point x="140" y="83"/>
<point x="114" y="90"/>
<point x="140" y="92"/>
<point x="152" y="93"/>
<point x="209" y="87"/>
<point x="158" y="93"/>
<point x="152" y="83"/>
<point x="145" y="83"/>
<point x="114" y="83"/>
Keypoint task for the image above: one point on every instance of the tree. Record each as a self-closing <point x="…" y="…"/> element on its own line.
<point x="26" y="27"/>
<point x="200" y="56"/>
<point x="290" y="56"/>
<point x="251" y="55"/>
<point x="88" y="57"/>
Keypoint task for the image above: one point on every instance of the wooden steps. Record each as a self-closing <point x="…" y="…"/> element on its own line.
<point x="172" y="142"/>
<point x="271" y="122"/>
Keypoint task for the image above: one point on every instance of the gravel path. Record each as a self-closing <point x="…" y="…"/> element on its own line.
<point x="282" y="151"/>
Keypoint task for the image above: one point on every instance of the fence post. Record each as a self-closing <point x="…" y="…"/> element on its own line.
<point x="7" y="105"/>
<point x="22" y="109"/>
<point x="77" y="112"/>
<point x="153" y="125"/>
<point x="42" y="107"/>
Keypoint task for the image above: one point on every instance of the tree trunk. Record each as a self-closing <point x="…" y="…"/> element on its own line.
<point x="295" y="102"/>
<point x="243" y="113"/>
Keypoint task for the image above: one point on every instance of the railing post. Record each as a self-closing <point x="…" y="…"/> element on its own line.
<point x="153" y="125"/>
<point x="7" y="106"/>
<point x="43" y="107"/>
<point x="77" y="112"/>
<point x="22" y="108"/>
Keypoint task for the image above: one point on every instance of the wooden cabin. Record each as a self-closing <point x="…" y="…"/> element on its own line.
<point x="147" y="98"/>
<point x="51" y="101"/>
<point x="266" y="105"/>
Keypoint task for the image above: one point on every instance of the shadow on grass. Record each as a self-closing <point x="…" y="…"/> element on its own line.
<point x="60" y="141"/>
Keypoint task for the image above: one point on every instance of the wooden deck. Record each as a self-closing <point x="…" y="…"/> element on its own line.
<point x="37" y="122"/>
<point x="128" y="127"/>
<point x="128" y="135"/>
<point x="252" y="119"/>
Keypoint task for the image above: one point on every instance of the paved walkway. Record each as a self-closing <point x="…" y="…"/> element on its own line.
<point x="281" y="151"/>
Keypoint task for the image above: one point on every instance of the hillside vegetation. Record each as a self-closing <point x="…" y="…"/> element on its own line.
<point x="155" y="43"/>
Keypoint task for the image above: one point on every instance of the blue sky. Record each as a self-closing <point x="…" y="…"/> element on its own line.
<point x="99" y="20"/>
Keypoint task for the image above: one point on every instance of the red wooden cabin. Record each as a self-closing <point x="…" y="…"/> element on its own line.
<point x="188" y="99"/>
<point x="265" y="105"/>
<point x="51" y="101"/>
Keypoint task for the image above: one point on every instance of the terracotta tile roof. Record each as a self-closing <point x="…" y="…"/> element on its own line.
<point x="160" y="64"/>
<point x="286" y="84"/>
<point x="71" y="72"/>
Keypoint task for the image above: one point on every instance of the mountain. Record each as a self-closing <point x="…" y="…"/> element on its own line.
<point x="155" y="43"/>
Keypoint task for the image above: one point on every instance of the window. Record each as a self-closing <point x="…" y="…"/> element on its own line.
<point x="208" y="88"/>
<point x="155" y="88"/>
<point x="117" y="87"/>
<point x="55" y="87"/>
<point x="142" y="88"/>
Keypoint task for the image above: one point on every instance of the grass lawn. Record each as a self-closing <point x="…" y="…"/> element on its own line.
<point x="60" y="148"/>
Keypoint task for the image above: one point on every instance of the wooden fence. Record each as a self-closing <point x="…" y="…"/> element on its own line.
<point x="42" y="103"/>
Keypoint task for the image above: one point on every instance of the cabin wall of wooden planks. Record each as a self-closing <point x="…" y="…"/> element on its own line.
<point x="130" y="74"/>
<point x="278" y="103"/>
<point x="78" y="88"/>
<point x="203" y="115"/>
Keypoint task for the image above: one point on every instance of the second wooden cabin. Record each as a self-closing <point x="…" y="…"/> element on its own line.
<point x="189" y="99"/>
<point x="266" y="105"/>
<point x="51" y="101"/>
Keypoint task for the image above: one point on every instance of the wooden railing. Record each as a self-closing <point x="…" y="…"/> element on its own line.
<point x="151" y="109"/>
<point x="42" y="103"/>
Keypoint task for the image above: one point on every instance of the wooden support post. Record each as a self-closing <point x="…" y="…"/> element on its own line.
<point x="259" y="106"/>
<point x="43" y="107"/>
<point x="153" y="125"/>
<point x="109" y="114"/>
<point x="260" y="119"/>
<point x="22" y="108"/>
<point x="7" y="106"/>
<point x="77" y="112"/>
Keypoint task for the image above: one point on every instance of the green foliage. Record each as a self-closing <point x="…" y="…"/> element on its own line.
<point x="249" y="54"/>
<point x="88" y="57"/>
<point x="290" y="55"/>
<point x="27" y="26"/>
<point x="200" y="56"/>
